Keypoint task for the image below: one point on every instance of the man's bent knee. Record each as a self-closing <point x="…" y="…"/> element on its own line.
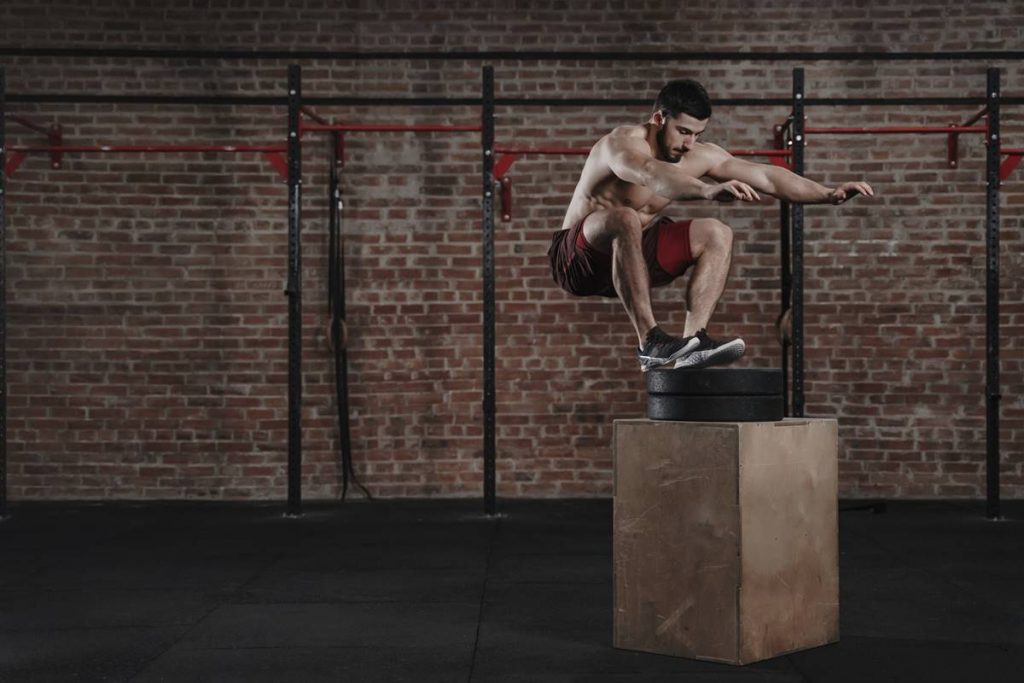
<point x="709" y="233"/>
<point x="604" y="227"/>
<point x="625" y="217"/>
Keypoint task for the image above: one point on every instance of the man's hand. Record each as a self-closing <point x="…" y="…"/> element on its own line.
<point x="848" y="191"/>
<point x="731" y="190"/>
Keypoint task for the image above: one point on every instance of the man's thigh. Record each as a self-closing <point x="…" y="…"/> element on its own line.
<point x="577" y="266"/>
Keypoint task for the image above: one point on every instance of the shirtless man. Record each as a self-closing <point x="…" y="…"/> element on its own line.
<point x="613" y="242"/>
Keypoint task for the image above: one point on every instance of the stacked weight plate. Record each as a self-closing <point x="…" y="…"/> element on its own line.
<point x="715" y="395"/>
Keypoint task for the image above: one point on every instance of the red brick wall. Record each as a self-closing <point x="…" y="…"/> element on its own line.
<point x="147" y="321"/>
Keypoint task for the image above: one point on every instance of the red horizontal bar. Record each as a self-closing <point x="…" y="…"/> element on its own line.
<point x="762" y="153"/>
<point x="1013" y="151"/>
<point x="890" y="130"/>
<point x="388" y="128"/>
<point x="512" y="149"/>
<point x="149" y="148"/>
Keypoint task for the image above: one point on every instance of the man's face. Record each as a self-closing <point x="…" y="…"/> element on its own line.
<point x="678" y="135"/>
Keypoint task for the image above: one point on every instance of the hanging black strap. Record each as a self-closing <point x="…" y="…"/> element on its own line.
<point x="336" y="309"/>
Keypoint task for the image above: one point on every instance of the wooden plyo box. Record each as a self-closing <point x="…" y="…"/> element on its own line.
<point x="726" y="539"/>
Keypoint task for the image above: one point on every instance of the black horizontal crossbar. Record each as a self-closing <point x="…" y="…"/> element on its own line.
<point x="513" y="55"/>
<point x="256" y="100"/>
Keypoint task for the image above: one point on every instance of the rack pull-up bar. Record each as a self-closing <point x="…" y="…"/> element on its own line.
<point x="160" y="149"/>
<point x="521" y="150"/>
<point x="272" y="153"/>
<point x="388" y="128"/>
<point x="952" y="131"/>
<point x="896" y="130"/>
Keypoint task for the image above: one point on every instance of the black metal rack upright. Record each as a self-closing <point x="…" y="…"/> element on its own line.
<point x="797" y="218"/>
<point x="487" y="141"/>
<point x="992" y="395"/>
<point x="3" y="294"/>
<point x="294" y="292"/>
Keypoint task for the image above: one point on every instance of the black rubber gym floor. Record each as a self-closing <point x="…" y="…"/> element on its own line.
<point x="435" y="591"/>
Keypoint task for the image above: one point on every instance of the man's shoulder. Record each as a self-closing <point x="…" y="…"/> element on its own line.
<point x="711" y="151"/>
<point x="624" y="137"/>
<point x="627" y="132"/>
<point x="711" y="148"/>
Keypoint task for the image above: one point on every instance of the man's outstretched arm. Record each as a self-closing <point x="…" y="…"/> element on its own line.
<point x="784" y="184"/>
<point x="630" y="161"/>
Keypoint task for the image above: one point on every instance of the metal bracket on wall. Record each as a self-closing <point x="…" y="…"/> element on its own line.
<point x="1010" y="163"/>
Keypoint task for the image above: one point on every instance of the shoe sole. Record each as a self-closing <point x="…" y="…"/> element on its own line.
<point x="651" y="362"/>
<point x="722" y="355"/>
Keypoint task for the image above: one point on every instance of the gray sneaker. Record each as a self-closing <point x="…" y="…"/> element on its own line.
<point x="710" y="351"/>
<point x="661" y="349"/>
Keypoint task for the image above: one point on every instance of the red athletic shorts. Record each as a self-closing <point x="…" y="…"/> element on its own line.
<point x="580" y="269"/>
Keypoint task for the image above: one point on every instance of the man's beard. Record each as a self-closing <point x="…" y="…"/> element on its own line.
<point x="664" y="150"/>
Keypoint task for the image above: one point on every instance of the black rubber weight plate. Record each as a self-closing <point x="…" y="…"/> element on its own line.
<point x="715" y="382"/>
<point x="715" y="408"/>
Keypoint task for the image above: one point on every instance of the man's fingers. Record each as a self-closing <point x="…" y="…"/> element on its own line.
<point x="859" y="188"/>
<point x="734" y="190"/>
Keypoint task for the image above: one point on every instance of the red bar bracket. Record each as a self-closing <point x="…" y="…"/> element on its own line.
<point x="501" y="167"/>
<point x="55" y="136"/>
<point x="390" y="128"/>
<point x="953" y="148"/>
<point x="503" y="164"/>
<point x="278" y="162"/>
<point x="506" y="198"/>
<point x="1010" y="163"/>
<point x="899" y="130"/>
<point x="14" y="162"/>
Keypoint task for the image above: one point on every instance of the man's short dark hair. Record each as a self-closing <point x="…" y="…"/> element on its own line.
<point x="684" y="96"/>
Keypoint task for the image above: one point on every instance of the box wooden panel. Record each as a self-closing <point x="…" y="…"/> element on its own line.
<point x="726" y="538"/>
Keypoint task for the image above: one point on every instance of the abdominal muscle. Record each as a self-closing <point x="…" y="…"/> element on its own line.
<point x="583" y="205"/>
<point x="599" y="189"/>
